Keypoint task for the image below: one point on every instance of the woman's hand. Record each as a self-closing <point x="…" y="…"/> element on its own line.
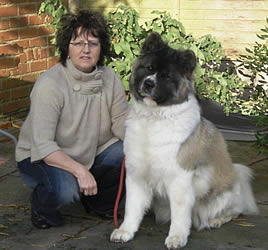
<point x="86" y="181"/>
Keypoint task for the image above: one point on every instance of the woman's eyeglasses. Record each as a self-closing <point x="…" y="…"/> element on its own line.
<point x="82" y="45"/>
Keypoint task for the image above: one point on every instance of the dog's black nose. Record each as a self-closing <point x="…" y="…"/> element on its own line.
<point x="149" y="84"/>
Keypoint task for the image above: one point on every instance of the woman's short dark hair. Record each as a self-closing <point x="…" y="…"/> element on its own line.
<point x="91" y="23"/>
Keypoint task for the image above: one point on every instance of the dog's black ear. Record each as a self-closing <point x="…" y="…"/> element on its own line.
<point x="187" y="61"/>
<point x="152" y="44"/>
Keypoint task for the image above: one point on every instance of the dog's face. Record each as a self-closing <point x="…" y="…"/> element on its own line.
<point x="161" y="73"/>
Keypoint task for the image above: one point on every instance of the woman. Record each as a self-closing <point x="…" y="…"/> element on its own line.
<point x="70" y="145"/>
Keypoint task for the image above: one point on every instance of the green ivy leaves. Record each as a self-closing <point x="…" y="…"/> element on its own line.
<point x="54" y="9"/>
<point x="127" y="38"/>
<point x="128" y="33"/>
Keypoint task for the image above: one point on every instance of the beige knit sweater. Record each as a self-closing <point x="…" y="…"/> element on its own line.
<point x="79" y="113"/>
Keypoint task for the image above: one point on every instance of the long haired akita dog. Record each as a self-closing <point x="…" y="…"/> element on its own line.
<point x="175" y="159"/>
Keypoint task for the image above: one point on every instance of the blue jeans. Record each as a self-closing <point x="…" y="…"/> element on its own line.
<point x="54" y="187"/>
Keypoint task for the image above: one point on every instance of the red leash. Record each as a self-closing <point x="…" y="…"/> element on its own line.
<point x="119" y="192"/>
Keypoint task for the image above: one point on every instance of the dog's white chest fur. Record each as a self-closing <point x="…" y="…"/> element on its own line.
<point x="154" y="136"/>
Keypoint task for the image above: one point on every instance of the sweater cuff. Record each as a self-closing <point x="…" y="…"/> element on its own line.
<point x="42" y="151"/>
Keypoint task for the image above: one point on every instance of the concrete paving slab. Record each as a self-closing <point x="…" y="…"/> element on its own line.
<point x="82" y="231"/>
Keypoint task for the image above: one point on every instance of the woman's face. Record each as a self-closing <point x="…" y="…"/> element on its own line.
<point x="84" y="51"/>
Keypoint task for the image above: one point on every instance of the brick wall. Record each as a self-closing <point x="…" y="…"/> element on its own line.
<point x="25" y="52"/>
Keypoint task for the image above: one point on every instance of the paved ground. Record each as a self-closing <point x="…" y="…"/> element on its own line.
<point x="86" y="231"/>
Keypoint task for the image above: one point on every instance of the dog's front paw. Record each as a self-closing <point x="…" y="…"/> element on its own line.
<point x="121" y="236"/>
<point x="176" y="241"/>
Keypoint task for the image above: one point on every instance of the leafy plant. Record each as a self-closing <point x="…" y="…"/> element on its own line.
<point x="53" y="9"/>
<point x="254" y="66"/>
<point x="128" y="36"/>
<point x="262" y="139"/>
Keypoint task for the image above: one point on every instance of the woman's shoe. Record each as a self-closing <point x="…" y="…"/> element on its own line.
<point x="107" y="214"/>
<point x="39" y="222"/>
<point x="42" y="223"/>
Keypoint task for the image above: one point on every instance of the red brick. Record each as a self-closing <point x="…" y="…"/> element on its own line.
<point x="23" y="43"/>
<point x="35" y="54"/>
<point x="29" y="54"/>
<point x="8" y="11"/>
<point x="9" y="107"/>
<point x="28" y="32"/>
<point x="10" y="49"/>
<point x="32" y="32"/>
<point x="23" y="58"/>
<point x="38" y="42"/>
<point x="23" y="68"/>
<point x="51" y="51"/>
<point x="38" y="65"/>
<point x="8" y="35"/>
<point x="43" y="53"/>
<point x="4" y="73"/>
<point x="4" y="96"/>
<point x="27" y="9"/>
<point x="17" y="1"/>
<point x="52" y="61"/>
<point x="4" y="2"/>
<point x="19" y="22"/>
<point x="26" y="83"/>
<point x="9" y="62"/>
<point x="4" y="24"/>
<point x="32" y="77"/>
<point x="33" y="20"/>
<point x="15" y="106"/>
<point x="14" y="72"/>
<point x="25" y="103"/>
<point x="10" y="83"/>
<point x="20" y="92"/>
<point x="44" y="31"/>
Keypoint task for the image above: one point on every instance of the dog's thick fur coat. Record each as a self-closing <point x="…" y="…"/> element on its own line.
<point x="176" y="161"/>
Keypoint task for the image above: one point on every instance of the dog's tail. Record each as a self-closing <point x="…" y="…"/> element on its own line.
<point x="246" y="195"/>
